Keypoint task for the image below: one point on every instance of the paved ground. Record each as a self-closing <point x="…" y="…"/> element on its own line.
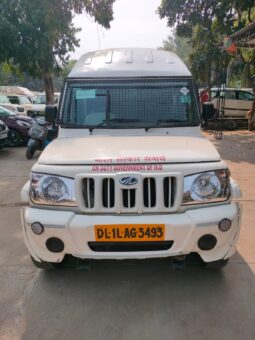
<point x="115" y="301"/>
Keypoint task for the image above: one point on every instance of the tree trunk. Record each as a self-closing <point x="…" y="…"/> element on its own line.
<point x="49" y="90"/>
<point x="209" y="81"/>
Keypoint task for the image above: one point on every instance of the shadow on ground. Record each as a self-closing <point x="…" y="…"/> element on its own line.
<point x="237" y="147"/>
<point x="148" y="300"/>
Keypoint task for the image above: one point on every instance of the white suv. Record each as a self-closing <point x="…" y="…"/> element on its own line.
<point x="130" y="175"/>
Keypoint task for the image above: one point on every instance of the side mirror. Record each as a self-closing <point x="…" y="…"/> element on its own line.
<point x="51" y="113"/>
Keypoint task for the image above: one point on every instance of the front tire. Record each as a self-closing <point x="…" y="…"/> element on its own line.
<point x="30" y="152"/>
<point x="230" y="124"/>
<point x="15" y="138"/>
<point x="216" y="264"/>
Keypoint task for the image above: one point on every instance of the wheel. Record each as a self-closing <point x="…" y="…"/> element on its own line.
<point x="230" y="124"/>
<point x="30" y="152"/>
<point x="15" y="138"/>
<point x="216" y="264"/>
<point x="43" y="264"/>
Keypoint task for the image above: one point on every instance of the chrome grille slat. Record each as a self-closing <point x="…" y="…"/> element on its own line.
<point x="129" y="199"/>
<point x="108" y="192"/>
<point x="89" y="192"/>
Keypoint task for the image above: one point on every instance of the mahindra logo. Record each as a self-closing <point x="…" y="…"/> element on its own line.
<point x="128" y="181"/>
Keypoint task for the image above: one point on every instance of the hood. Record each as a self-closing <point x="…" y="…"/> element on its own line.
<point x="38" y="107"/>
<point x="135" y="149"/>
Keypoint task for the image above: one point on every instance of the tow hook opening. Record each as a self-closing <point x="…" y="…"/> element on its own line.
<point x="179" y="262"/>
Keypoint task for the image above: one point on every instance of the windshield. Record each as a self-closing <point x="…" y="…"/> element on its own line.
<point x="40" y="99"/>
<point x="6" y="113"/>
<point x="24" y="100"/>
<point x="130" y="104"/>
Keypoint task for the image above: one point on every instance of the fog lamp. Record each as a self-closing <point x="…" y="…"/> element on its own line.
<point x="225" y="224"/>
<point x="37" y="228"/>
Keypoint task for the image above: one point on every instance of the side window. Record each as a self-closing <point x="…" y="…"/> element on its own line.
<point x="230" y="95"/>
<point x="14" y="100"/>
<point x="245" y="96"/>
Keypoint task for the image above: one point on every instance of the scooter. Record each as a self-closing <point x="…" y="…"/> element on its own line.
<point x="41" y="134"/>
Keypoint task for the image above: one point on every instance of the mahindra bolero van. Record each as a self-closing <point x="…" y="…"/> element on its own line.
<point x="130" y="176"/>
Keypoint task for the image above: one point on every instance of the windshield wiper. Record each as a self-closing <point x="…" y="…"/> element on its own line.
<point x="167" y="123"/>
<point x="110" y="122"/>
<point x="163" y="121"/>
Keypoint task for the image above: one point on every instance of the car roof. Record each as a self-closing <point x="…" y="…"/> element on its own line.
<point x="17" y="95"/>
<point x="229" y="89"/>
<point x="129" y="62"/>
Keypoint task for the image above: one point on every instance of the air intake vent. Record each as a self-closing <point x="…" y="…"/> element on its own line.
<point x="108" y="193"/>
<point x="128" y="196"/>
<point x="169" y="187"/>
<point x="149" y="192"/>
<point x="89" y="192"/>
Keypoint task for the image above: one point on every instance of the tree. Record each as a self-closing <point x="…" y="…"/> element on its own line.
<point x="38" y="35"/>
<point x="179" y="45"/>
<point x="205" y="22"/>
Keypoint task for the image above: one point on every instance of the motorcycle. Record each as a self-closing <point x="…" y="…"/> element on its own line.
<point x="41" y="134"/>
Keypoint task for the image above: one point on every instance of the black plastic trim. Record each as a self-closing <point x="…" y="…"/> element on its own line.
<point x="130" y="246"/>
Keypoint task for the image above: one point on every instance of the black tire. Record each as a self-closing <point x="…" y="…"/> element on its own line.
<point x="230" y="124"/>
<point x="43" y="265"/>
<point x="15" y="138"/>
<point x="216" y="264"/>
<point x="30" y="152"/>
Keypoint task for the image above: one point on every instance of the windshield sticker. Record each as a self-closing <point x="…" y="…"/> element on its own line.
<point x="86" y="94"/>
<point x="186" y="99"/>
<point x="184" y="91"/>
<point x="127" y="167"/>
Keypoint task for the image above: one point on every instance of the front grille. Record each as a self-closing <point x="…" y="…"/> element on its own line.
<point x="129" y="246"/>
<point x="147" y="194"/>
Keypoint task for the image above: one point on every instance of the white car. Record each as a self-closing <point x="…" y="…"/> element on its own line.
<point x="237" y="101"/>
<point x="21" y="102"/>
<point x="130" y="175"/>
<point x="39" y="104"/>
<point x="5" y="102"/>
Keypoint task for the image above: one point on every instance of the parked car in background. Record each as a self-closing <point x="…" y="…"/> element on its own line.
<point x="18" y="126"/>
<point x="38" y="107"/>
<point x="6" y="102"/>
<point x="20" y="101"/>
<point x="237" y="101"/>
<point x="3" y="134"/>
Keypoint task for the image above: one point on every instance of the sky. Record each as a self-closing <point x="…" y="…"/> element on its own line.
<point x="135" y="25"/>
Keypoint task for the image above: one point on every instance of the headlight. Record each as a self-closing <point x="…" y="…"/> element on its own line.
<point x="52" y="190"/>
<point x="207" y="187"/>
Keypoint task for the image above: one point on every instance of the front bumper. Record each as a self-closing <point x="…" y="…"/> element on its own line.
<point x="184" y="229"/>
